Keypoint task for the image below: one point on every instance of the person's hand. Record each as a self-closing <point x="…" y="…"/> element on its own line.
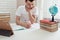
<point x="28" y="24"/>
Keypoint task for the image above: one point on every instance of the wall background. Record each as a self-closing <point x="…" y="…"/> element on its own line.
<point x="47" y="4"/>
<point x="10" y="6"/>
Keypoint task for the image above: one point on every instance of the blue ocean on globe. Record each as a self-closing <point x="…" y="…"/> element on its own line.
<point x="53" y="10"/>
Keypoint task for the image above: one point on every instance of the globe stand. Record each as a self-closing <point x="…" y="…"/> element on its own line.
<point x="52" y="18"/>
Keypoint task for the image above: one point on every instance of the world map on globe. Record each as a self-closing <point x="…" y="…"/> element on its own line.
<point x="53" y="10"/>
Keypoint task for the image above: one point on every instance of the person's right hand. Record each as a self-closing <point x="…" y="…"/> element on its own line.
<point x="28" y="24"/>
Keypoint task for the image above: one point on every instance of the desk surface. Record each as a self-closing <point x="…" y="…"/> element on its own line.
<point x="34" y="33"/>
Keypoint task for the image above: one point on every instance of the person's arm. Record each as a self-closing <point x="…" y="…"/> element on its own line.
<point x="32" y="18"/>
<point x="33" y="14"/>
<point x="19" y="22"/>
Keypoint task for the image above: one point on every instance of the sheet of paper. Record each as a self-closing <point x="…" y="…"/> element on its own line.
<point x="16" y="27"/>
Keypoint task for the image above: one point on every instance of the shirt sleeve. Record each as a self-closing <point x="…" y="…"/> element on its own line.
<point x="35" y="12"/>
<point x="18" y="12"/>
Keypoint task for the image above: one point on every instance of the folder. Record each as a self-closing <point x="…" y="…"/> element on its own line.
<point x="5" y="29"/>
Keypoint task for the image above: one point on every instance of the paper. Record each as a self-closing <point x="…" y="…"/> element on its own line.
<point x="16" y="27"/>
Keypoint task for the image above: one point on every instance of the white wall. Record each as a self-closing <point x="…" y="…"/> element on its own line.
<point x="40" y="8"/>
<point x="47" y="4"/>
<point x="8" y="6"/>
<point x="20" y="2"/>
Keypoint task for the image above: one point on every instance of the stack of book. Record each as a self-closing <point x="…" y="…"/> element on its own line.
<point x="5" y="17"/>
<point x="48" y="25"/>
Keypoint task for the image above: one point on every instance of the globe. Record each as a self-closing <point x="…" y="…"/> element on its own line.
<point x="53" y="11"/>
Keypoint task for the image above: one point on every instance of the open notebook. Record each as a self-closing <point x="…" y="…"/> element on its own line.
<point x="18" y="27"/>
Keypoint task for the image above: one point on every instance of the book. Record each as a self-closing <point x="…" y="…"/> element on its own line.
<point x="5" y="29"/>
<point x="48" y="25"/>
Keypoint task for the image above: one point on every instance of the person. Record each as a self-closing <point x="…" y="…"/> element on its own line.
<point x="26" y="14"/>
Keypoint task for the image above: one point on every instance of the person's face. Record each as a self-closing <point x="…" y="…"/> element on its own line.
<point x="30" y="5"/>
